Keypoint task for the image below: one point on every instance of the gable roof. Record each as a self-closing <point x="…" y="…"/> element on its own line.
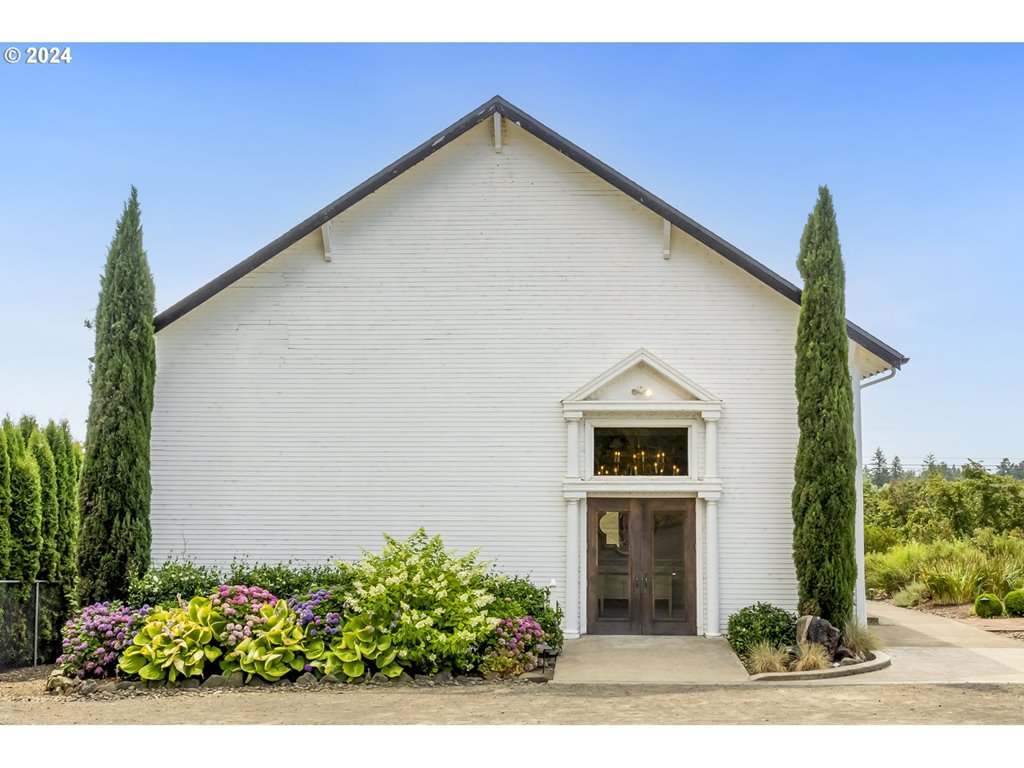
<point x="557" y="142"/>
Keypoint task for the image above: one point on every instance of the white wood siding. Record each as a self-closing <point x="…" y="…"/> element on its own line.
<point x="416" y="378"/>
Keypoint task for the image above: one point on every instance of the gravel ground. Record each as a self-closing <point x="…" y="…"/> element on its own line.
<point x="23" y="701"/>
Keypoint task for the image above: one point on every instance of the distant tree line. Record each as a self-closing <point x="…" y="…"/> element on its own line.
<point x="880" y="471"/>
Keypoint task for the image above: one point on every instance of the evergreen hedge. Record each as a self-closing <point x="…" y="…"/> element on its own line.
<point x="26" y="520"/>
<point x="49" y="506"/>
<point x="5" y="506"/>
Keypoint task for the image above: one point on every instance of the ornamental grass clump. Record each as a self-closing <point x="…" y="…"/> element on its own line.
<point x="810" y="657"/>
<point x="94" y="639"/>
<point x="765" y="657"/>
<point x="428" y="603"/>
<point x="515" y="648"/>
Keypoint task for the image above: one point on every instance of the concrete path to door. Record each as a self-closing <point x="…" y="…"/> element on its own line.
<point x="649" y="659"/>
<point x="924" y="648"/>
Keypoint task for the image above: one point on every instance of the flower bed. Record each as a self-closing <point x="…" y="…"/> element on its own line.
<point x="412" y="609"/>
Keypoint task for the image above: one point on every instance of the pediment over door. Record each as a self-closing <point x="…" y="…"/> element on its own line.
<point x="642" y="382"/>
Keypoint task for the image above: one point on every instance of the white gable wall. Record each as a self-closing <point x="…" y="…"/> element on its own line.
<point x="416" y="378"/>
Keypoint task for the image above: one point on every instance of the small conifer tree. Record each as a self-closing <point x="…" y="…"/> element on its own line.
<point x="49" y="503"/>
<point x="26" y="520"/>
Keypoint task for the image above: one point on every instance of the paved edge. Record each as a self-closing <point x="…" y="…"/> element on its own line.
<point x="880" y="661"/>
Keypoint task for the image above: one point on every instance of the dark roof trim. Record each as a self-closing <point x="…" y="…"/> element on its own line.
<point x="554" y="140"/>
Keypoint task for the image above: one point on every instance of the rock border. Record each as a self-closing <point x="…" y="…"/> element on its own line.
<point x="878" y="660"/>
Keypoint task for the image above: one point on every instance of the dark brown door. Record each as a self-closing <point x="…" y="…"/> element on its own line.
<point x="641" y="575"/>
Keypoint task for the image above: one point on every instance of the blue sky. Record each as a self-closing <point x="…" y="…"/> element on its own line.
<point x="232" y="145"/>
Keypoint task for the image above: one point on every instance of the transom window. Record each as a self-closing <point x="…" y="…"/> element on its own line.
<point x="646" y="451"/>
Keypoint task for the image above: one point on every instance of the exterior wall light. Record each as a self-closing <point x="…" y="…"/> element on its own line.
<point x="641" y="391"/>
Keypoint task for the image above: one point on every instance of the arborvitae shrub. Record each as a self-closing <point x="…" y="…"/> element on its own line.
<point x="5" y="506"/>
<point x="26" y="520"/>
<point x="988" y="605"/>
<point x="50" y="506"/>
<point x="761" y="622"/>
<point x="1014" y="602"/>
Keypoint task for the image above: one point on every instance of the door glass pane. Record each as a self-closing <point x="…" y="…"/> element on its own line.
<point x="613" y="565"/>
<point x="667" y="548"/>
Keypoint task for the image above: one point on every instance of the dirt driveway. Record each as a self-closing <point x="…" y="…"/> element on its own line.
<point x="502" y="703"/>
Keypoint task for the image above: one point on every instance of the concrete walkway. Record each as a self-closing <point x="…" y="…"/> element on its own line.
<point x="650" y="659"/>
<point x="924" y="648"/>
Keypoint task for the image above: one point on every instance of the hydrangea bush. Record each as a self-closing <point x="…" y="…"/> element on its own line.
<point x="236" y="611"/>
<point x="515" y="646"/>
<point x="320" y="611"/>
<point x="425" y="601"/>
<point x="95" y="638"/>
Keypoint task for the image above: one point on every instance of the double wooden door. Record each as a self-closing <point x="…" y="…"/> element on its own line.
<point x="641" y="574"/>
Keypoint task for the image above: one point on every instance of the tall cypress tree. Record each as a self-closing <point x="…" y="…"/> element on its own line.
<point x="50" y="505"/>
<point x="5" y="506"/>
<point x="824" y="491"/>
<point x="115" y="485"/>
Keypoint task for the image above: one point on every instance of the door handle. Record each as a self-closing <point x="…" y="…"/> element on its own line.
<point x="636" y="582"/>
<point x="646" y="583"/>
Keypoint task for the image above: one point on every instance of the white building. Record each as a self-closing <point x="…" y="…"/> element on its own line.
<point x="501" y="339"/>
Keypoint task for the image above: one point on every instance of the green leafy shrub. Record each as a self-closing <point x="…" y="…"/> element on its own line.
<point x="892" y="571"/>
<point x="278" y="647"/>
<point x="174" y="581"/>
<point x="988" y="606"/>
<point x="1014" y="602"/>
<point x="285" y="579"/>
<point x="915" y="594"/>
<point x="879" y="539"/>
<point x="427" y="600"/>
<point x="516" y="596"/>
<point x="761" y="622"/>
<point x="765" y="657"/>
<point x="173" y="643"/>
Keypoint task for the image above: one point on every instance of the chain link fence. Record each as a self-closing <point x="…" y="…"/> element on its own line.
<point x="31" y="616"/>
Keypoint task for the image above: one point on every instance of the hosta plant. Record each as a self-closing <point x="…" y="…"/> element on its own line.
<point x="427" y="600"/>
<point x="358" y="650"/>
<point x="173" y="644"/>
<point x="93" y="640"/>
<point x="277" y="646"/>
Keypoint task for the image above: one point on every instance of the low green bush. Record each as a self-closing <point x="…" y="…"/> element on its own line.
<point x="1014" y="602"/>
<point x="761" y="622"/>
<point x="516" y="596"/>
<point x="285" y="579"/>
<point x="914" y="594"/>
<point x="879" y="539"/>
<point x="892" y="571"/>
<point x="988" y="605"/>
<point x="175" y="580"/>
